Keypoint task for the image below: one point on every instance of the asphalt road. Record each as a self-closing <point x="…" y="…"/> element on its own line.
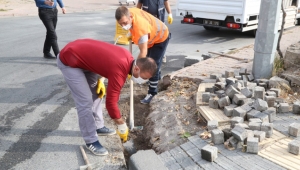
<point x="35" y="128"/>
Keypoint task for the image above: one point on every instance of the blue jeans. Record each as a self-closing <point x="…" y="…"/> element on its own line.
<point x="157" y="52"/>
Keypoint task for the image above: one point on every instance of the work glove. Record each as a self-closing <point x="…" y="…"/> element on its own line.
<point x="100" y="89"/>
<point x="170" y="19"/>
<point x="123" y="136"/>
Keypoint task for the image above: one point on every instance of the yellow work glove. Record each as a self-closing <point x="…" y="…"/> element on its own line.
<point x="100" y="89"/>
<point x="123" y="132"/>
<point x="123" y="136"/>
<point x="128" y="76"/>
<point x="170" y="19"/>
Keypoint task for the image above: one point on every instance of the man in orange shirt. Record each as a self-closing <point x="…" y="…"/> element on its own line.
<point x="150" y="34"/>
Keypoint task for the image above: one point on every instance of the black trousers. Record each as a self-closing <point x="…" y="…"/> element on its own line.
<point x="49" y="19"/>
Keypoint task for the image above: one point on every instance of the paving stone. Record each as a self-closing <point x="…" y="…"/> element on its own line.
<point x="236" y="120"/>
<point x="250" y="77"/>
<point x="209" y="153"/>
<point x="251" y="86"/>
<point x="243" y="125"/>
<point x="217" y="136"/>
<point x="243" y="71"/>
<point x="231" y="91"/>
<point x="220" y="93"/>
<point x="208" y="165"/>
<point x="283" y="108"/>
<point x="168" y="160"/>
<point x="245" y="79"/>
<point x="259" y="92"/>
<point x="189" y="164"/>
<point x="229" y="109"/>
<point x="238" y="77"/>
<point x="226" y="163"/>
<point x="233" y="141"/>
<point x="262" y="116"/>
<point x="268" y="128"/>
<point x="246" y="107"/>
<point x="188" y="146"/>
<point x="257" y="120"/>
<point x="220" y="79"/>
<point x="205" y="97"/>
<point x="227" y="133"/>
<point x="277" y="91"/>
<point x="238" y="86"/>
<point x="225" y="101"/>
<point x="197" y="141"/>
<point x="296" y="108"/>
<point x="260" y="105"/>
<point x="271" y="112"/>
<point x="213" y="102"/>
<point x="178" y="154"/>
<point x="294" y="146"/>
<point x="270" y="100"/>
<point x="239" y="133"/>
<point x="260" y="135"/>
<point x="246" y="92"/>
<point x="252" y="145"/>
<point x="252" y="113"/>
<point x="212" y="124"/>
<point x="255" y="126"/>
<point x="271" y="93"/>
<point x="239" y="112"/>
<point x="210" y="89"/>
<point x="294" y="129"/>
<point x="215" y="75"/>
<point x="239" y="99"/>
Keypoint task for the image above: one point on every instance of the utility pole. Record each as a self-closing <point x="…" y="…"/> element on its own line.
<point x="266" y="38"/>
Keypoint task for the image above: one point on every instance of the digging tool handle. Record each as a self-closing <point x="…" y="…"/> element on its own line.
<point x="85" y="158"/>
<point x="131" y="113"/>
<point x="228" y="56"/>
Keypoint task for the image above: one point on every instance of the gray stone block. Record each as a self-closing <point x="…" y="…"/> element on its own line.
<point x="238" y="86"/>
<point x="238" y="77"/>
<point x="259" y="92"/>
<point x="252" y="113"/>
<point x="243" y="71"/>
<point x="294" y="147"/>
<point x="146" y="160"/>
<point x="254" y="126"/>
<point x="246" y="92"/>
<point x="236" y="120"/>
<point x="271" y="93"/>
<point x="209" y="153"/>
<point x="268" y="128"/>
<point x="264" y="85"/>
<point x="228" y="110"/>
<point x="262" y="116"/>
<point x="246" y="106"/>
<point x="217" y="136"/>
<point x="257" y="120"/>
<point x="270" y="100"/>
<point x="245" y="79"/>
<point x="212" y="124"/>
<point x="251" y="86"/>
<point x="239" y="133"/>
<point x="243" y="125"/>
<point x="296" y="108"/>
<point x="231" y="91"/>
<point x="233" y="142"/>
<point x="229" y="74"/>
<point x="236" y="72"/>
<point x="210" y="89"/>
<point x="271" y="112"/>
<point x="215" y="75"/>
<point x="221" y="79"/>
<point x="294" y="129"/>
<point x="283" y="108"/>
<point x="277" y="91"/>
<point x="213" y="102"/>
<point x="252" y="145"/>
<point x="205" y="97"/>
<point x="230" y="81"/>
<point x="239" y="112"/>
<point x="260" y="105"/>
<point x="227" y="133"/>
<point x="225" y="101"/>
<point x="250" y="77"/>
<point x="239" y="99"/>
<point x="220" y="93"/>
<point x="220" y="85"/>
<point x="261" y="135"/>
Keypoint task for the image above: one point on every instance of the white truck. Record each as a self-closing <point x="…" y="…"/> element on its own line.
<point x="240" y="15"/>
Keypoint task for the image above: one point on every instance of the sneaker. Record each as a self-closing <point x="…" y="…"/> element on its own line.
<point x="105" y="131"/>
<point x="96" y="148"/>
<point x="147" y="99"/>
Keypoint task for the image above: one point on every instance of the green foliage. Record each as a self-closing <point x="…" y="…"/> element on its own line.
<point x="185" y="135"/>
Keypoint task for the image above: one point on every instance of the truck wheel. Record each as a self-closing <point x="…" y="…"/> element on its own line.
<point x="211" y="28"/>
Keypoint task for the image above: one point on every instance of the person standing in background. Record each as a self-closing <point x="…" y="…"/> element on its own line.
<point x="48" y="14"/>
<point x="157" y="9"/>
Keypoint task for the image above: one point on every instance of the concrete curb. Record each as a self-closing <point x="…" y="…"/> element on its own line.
<point x="145" y="160"/>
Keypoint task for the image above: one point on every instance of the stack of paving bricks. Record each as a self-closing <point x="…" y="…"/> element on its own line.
<point x="252" y="106"/>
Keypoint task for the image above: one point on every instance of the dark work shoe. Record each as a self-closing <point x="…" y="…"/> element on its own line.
<point x="96" y="148"/>
<point x="105" y="131"/>
<point x="49" y="56"/>
<point x="147" y="99"/>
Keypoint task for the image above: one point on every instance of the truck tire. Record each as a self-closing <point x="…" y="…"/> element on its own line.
<point x="208" y="28"/>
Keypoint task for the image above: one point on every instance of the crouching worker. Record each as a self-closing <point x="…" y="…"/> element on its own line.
<point x="81" y="62"/>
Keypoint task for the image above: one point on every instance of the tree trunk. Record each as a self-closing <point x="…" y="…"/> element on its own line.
<point x="281" y="30"/>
